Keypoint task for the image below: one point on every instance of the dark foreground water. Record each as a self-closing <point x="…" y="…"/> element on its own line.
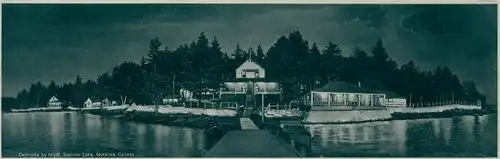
<point x="66" y="134"/>
<point x="69" y="133"/>
<point x="460" y="136"/>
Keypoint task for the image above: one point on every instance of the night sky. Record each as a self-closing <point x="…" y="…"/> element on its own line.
<point x="57" y="42"/>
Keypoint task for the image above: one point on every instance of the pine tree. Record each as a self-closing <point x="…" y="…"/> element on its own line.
<point x="333" y="62"/>
<point x="259" y="54"/>
<point x="239" y="54"/>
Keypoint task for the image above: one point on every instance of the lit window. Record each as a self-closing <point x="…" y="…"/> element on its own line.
<point x="257" y="87"/>
<point x="257" y="74"/>
<point x="243" y="88"/>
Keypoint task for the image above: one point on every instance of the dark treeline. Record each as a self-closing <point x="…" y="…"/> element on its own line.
<point x="297" y="64"/>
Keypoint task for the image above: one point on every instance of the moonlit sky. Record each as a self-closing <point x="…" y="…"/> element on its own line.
<point x="57" y="42"/>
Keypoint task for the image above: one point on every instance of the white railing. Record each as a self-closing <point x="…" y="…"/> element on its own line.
<point x="288" y="106"/>
<point x="440" y="103"/>
<point x="210" y="105"/>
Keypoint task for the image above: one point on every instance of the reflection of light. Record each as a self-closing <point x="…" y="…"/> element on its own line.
<point x="201" y="140"/>
<point x="468" y="124"/>
<point x="445" y="126"/>
<point x="114" y="133"/>
<point x="158" y="137"/>
<point x="141" y="130"/>
<point x="74" y="127"/>
<point x="22" y="120"/>
<point x="324" y="136"/>
<point x="188" y="137"/>
<point x="399" y="129"/>
<point x="435" y="125"/>
<point x="55" y="127"/>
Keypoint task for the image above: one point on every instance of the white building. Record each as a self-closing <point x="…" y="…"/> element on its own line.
<point x="92" y="103"/>
<point x="250" y="86"/>
<point x="54" y="102"/>
<point x="341" y="94"/>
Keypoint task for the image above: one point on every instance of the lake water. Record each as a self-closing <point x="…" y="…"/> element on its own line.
<point x="72" y="134"/>
<point x="460" y="136"/>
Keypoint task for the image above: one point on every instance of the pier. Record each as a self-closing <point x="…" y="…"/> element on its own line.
<point x="251" y="142"/>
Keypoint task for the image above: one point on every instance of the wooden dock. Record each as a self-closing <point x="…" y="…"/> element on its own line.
<point x="247" y="124"/>
<point x="251" y="143"/>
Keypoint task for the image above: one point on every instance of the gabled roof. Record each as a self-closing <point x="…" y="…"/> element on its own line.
<point x="250" y="62"/>
<point x="250" y="79"/>
<point x="93" y="99"/>
<point x="53" y="99"/>
<point x="342" y="87"/>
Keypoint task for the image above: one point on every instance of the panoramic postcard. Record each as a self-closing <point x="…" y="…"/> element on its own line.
<point x="249" y="80"/>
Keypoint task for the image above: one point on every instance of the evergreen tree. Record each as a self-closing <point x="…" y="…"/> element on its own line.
<point x="333" y="62"/>
<point x="52" y="89"/>
<point x="259" y="54"/>
<point x="201" y="65"/>
<point x="239" y="55"/>
<point x="78" y="94"/>
<point x="316" y="67"/>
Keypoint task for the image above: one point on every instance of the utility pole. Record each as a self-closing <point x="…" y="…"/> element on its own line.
<point x="38" y="98"/>
<point x="173" y="85"/>
<point x="250" y="45"/>
<point x="410" y="100"/>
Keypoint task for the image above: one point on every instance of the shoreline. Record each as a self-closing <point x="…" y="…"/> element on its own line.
<point x="203" y="120"/>
<point x="171" y="119"/>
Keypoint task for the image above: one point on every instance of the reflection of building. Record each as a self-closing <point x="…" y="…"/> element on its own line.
<point x="250" y="86"/>
<point x="54" y="102"/>
<point x="343" y="94"/>
<point x="369" y="138"/>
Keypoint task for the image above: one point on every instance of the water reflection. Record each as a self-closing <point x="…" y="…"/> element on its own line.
<point x="78" y="133"/>
<point x="459" y="136"/>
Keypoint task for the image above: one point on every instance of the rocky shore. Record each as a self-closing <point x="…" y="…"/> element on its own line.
<point x="170" y="116"/>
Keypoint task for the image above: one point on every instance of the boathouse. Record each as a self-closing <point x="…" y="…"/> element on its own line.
<point x="54" y="102"/>
<point x="338" y="94"/>
<point x="250" y="86"/>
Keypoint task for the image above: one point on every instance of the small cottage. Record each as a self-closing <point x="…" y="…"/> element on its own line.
<point x="54" y="102"/>
<point x="92" y="103"/>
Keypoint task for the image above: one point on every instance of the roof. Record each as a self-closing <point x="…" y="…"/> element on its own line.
<point x="390" y="94"/>
<point x="94" y="99"/>
<point x="250" y="62"/>
<point x="342" y="87"/>
<point x="53" y="99"/>
<point x="250" y="79"/>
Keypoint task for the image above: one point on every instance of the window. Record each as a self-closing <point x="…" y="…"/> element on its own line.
<point x="243" y="74"/>
<point x="257" y="87"/>
<point x="257" y="74"/>
<point x="243" y="88"/>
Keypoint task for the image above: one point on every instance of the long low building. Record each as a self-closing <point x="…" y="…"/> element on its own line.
<point x="338" y="94"/>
